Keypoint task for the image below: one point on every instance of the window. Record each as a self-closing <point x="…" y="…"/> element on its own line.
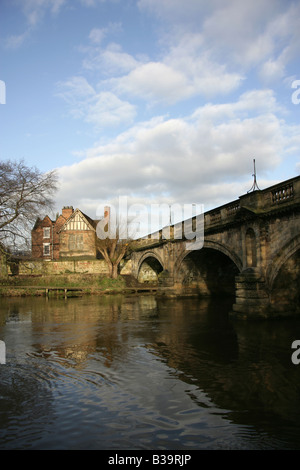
<point x="76" y="242"/>
<point x="46" y="232"/>
<point x="46" y="249"/>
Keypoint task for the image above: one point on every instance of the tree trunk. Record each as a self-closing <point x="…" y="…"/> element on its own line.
<point x="112" y="270"/>
<point x="3" y="267"/>
<point x="114" y="273"/>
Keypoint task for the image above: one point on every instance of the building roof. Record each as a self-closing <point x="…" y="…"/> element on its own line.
<point x="85" y="219"/>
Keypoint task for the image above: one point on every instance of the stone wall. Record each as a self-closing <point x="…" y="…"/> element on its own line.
<point x="80" y="243"/>
<point x="42" y="267"/>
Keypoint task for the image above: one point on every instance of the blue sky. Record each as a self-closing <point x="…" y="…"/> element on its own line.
<point x="158" y="100"/>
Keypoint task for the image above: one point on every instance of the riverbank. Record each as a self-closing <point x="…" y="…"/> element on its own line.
<point x="70" y="285"/>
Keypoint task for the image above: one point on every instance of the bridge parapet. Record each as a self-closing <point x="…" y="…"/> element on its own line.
<point x="223" y="214"/>
<point x="269" y="199"/>
<point x="283" y="193"/>
<point x="258" y="202"/>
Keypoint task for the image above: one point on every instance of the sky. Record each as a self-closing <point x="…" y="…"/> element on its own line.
<point x="158" y="101"/>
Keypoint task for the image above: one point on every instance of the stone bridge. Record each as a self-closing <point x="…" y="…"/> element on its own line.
<point x="251" y="251"/>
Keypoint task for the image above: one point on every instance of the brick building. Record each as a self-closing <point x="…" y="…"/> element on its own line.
<point x="72" y="234"/>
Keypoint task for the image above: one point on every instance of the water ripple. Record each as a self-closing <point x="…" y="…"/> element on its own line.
<point x="129" y="378"/>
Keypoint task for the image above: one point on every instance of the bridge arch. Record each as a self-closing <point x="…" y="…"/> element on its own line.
<point x="149" y="267"/>
<point x="284" y="279"/>
<point x="215" y="246"/>
<point x="281" y="258"/>
<point x="210" y="270"/>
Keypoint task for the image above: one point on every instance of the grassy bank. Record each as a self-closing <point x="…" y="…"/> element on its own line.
<point x="36" y="285"/>
<point x="87" y="283"/>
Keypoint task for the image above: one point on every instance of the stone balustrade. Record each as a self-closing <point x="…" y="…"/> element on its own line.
<point x="283" y="193"/>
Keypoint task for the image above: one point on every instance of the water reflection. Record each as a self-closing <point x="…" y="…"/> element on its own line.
<point x="137" y="372"/>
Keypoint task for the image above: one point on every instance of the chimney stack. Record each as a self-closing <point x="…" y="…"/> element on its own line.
<point x="67" y="211"/>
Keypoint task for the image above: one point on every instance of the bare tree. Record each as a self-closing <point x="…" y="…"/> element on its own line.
<point x="113" y="251"/>
<point x="112" y="244"/>
<point x="24" y="191"/>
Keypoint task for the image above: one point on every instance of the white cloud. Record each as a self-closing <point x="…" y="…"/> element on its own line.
<point x="205" y="51"/>
<point x="181" y="74"/>
<point x="74" y="89"/>
<point x="260" y="33"/>
<point x="154" y="81"/>
<point x="101" y="109"/>
<point x="184" y="69"/>
<point x="109" y="61"/>
<point x="252" y="102"/>
<point x="16" y="40"/>
<point x="92" y="3"/>
<point x="272" y="69"/>
<point x="185" y="160"/>
<point x="204" y="75"/>
<point x="207" y="61"/>
<point x="108" y="110"/>
<point x="175" y="11"/>
<point x="97" y="35"/>
<point x="34" y="10"/>
<point x="238" y="29"/>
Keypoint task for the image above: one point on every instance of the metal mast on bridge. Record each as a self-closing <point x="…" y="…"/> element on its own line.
<point x="254" y="186"/>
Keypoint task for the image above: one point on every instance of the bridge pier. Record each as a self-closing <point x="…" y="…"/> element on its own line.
<point x="252" y="297"/>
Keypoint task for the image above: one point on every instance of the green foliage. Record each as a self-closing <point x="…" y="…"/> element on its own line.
<point x="109" y="283"/>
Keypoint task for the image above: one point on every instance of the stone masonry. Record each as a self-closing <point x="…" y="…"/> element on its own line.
<point x="257" y="238"/>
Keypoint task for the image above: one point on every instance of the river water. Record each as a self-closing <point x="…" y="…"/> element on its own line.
<point x="135" y="372"/>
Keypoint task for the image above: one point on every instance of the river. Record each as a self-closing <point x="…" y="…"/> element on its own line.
<point x="136" y="372"/>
